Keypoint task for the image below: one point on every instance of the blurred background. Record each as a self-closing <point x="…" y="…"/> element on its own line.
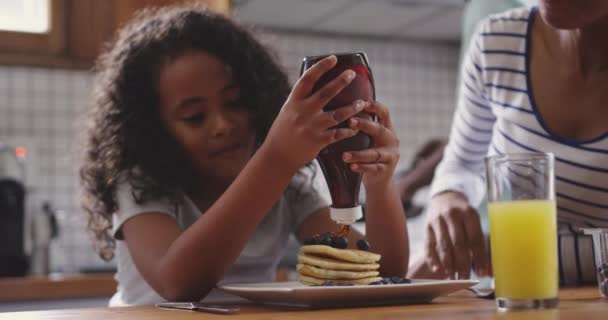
<point x="47" y="49"/>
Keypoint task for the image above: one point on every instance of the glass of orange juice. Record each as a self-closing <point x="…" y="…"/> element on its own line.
<point x="523" y="230"/>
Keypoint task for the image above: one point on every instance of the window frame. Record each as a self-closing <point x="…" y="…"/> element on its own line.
<point x="77" y="31"/>
<point x="51" y="42"/>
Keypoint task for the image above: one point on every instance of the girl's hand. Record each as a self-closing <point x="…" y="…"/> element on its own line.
<point x="377" y="164"/>
<point x="302" y="128"/>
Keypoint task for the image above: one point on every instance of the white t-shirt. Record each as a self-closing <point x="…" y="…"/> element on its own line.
<point x="259" y="258"/>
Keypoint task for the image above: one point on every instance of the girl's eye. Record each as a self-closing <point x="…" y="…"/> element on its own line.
<point x="235" y="104"/>
<point x="194" y="119"/>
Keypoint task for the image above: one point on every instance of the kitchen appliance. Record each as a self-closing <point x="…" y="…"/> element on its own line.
<point x="13" y="258"/>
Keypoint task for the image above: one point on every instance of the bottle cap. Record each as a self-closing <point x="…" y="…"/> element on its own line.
<point x="346" y="215"/>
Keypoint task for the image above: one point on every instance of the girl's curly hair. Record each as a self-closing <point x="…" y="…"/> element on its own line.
<point x="125" y="140"/>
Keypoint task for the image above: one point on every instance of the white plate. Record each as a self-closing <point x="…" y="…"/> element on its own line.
<point x="297" y="294"/>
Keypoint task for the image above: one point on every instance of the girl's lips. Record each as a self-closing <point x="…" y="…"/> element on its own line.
<point x="227" y="149"/>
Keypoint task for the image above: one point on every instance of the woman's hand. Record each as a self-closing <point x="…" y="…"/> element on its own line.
<point x="302" y="128"/>
<point x="377" y="164"/>
<point x="454" y="238"/>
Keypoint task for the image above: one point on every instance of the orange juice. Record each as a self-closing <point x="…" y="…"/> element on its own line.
<point x="523" y="236"/>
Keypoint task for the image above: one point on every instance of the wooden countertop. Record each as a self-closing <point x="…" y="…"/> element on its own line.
<point x="575" y="303"/>
<point x="57" y="287"/>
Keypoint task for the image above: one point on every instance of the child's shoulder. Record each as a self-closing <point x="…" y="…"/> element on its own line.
<point x="131" y="197"/>
<point x="308" y="188"/>
<point x="308" y="177"/>
<point x="130" y="202"/>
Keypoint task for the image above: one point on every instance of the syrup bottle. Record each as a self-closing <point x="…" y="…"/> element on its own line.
<point x="343" y="183"/>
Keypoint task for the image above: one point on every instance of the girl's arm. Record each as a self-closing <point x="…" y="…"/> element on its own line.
<point x="186" y="265"/>
<point x="385" y="220"/>
<point x="386" y="230"/>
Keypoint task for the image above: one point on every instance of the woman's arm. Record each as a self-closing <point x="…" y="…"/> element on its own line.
<point x="453" y="234"/>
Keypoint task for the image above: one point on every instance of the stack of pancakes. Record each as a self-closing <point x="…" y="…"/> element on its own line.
<point x="319" y="264"/>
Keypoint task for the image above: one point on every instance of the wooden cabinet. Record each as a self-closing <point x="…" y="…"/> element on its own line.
<point x="78" y="30"/>
<point x="124" y="9"/>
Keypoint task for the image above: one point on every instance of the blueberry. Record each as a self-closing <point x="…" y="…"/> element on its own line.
<point x="327" y="283"/>
<point x="363" y="245"/>
<point x="340" y="243"/>
<point x="386" y="281"/>
<point x="406" y="280"/>
<point x="395" y="280"/>
<point x="375" y="283"/>
<point x="325" y="240"/>
<point x="309" y="241"/>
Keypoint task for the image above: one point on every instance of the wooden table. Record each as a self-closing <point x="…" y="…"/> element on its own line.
<point x="57" y="287"/>
<point x="579" y="304"/>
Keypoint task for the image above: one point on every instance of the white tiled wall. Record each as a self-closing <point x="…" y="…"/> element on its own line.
<point x="40" y="108"/>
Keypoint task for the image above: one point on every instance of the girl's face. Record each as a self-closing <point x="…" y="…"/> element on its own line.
<point x="201" y="108"/>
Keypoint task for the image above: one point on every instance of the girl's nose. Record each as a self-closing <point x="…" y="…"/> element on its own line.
<point x="223" y="124"/>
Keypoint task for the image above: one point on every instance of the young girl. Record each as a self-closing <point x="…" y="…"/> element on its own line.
<point x="193" y="176"/>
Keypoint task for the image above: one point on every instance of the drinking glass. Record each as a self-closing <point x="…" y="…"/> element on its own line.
<point x="523" y="230"/>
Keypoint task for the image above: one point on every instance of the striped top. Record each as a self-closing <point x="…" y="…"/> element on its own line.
<point x="496" y="114"/>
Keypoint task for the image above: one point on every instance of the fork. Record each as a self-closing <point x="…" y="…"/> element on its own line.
<point x="198" y="306"/>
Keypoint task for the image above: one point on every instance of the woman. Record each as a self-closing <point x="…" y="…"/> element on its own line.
<point x="534" y="80"/>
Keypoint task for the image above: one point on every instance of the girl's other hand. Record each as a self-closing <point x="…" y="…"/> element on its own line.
<point x="302" y="128"/>
<point x="377" y="164"/>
